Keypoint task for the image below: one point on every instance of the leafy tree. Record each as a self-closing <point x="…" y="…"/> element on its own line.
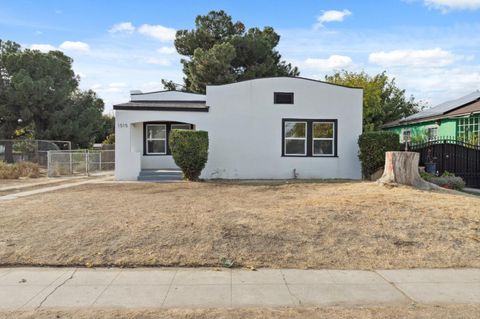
<point x="220" y="51"/>
<point x="8" y="114"/>
<point x="110" y="139"/>
<point x="80" y="121"/>
<point x="107" y="128"/>
<point x="169" y="85"/>
<point x="37" y="85"/>
<point x="211" y="67"/>
<point x="383" y="101"/>
<point x="39" y="94"/>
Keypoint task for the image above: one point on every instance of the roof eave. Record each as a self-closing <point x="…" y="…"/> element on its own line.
<point x="161" y="108"/>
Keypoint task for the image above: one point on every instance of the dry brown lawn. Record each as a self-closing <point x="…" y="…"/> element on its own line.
<point x="391" y="312"/>
<point x="347" y="225"/>
<point x="21" y="181"/>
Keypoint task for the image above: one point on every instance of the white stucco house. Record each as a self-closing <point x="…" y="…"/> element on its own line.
<point x="268" y="128"/>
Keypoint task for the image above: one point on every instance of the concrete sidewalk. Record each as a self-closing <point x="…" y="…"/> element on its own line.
<point x="74" y="182"/>
<point x="34" y="288"/>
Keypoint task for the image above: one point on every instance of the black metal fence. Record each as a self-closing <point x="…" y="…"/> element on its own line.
<point x="452" y="155"/>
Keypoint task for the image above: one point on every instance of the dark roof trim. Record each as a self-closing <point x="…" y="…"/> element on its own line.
<point x="160" y="108"/>
<point x="292" y="77"/>
<point x="167" y="101"/>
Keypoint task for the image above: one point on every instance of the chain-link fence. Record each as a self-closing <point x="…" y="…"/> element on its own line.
<point x="80" y="162"/>
<point x="35" y="151"/>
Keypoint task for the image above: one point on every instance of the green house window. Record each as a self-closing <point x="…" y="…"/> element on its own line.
<point x="432" y="133"/>
<point x="468" y="129"/>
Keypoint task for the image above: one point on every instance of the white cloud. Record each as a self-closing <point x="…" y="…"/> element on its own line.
<point x="96" y="86"/>
<point x="332" y="16"/>
<point x="331" y="63"/>
<point x="43" y="47"/>
<point x="166" y="50"/>
<point x="117" y="85"/>
<point x="448" y="5"/>
<point x="158" y="61"/>
<point x="418" y="58"/>
<point x="158" y="32"/>
<point x="74" y="46"/>
<point x="123" y="27"/>
<point x="114" y="87"/>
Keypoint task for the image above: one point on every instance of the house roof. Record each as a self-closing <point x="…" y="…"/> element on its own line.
<point x="289" y="77"/>
<point x="442" y="110"/>
<point x="189" y="106"/>
<point x="166" y="96"/>
<point x="164" y="101"/>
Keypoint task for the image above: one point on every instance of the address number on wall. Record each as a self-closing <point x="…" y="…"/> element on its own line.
<point x="122" y="125"/>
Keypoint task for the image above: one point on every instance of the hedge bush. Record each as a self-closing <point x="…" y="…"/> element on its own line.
<point x="190" y="151"/>
<point x="446" y="180"/>
<point x="373" y="146"/>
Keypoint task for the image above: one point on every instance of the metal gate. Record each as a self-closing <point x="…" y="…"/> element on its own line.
<point x="80" y="162"/>
<point x="454" y="156"/>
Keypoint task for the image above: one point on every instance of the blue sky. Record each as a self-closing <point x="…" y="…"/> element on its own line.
<point x="431" y="47"/>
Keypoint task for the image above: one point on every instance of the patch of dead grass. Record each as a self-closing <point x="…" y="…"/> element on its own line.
<point x="390" y="312"/>
<point x="311" y="225"/>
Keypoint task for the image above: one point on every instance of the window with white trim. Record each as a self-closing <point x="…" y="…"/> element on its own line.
<point x="309" y="137"/>
<point x="323" y="138"/>
<point x="406" y="135"/>
<point x="156" y="139"/>
<point x="295" y="138"/>
<point x="432" y="133"/>
<point x="468" y="129"/>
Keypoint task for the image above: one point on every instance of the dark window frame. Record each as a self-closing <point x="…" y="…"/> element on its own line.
<point x="309" y="137"/>
<point x="158" y="139"/>
<point x="168" y="130"/>
<point x="276" y="99"/>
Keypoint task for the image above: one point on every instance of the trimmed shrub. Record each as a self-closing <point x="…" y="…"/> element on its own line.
<point x="373" y="146"/>
<point x="447" y="180"/>
<point x="190" y="151"/>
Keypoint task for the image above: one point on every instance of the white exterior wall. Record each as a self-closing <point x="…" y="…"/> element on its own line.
<point x="245" y="131"/>
<point x="129" y="145"/>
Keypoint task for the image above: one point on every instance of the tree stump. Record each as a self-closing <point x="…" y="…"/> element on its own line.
<point x="402" y="168"/>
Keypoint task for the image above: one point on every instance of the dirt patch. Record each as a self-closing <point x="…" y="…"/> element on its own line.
<point x="20" y="181"/>
<point x="312" y="225"/>
<point x="394" y="312"/>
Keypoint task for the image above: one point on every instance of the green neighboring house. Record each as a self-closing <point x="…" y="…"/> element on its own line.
<point x="458" y="119"/>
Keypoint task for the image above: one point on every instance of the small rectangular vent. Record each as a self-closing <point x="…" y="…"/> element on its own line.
<point x="283" y="98"/>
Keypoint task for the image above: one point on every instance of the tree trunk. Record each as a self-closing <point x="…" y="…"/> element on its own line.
<point x="8" y="152"/>
<point x="402" y="168"/>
